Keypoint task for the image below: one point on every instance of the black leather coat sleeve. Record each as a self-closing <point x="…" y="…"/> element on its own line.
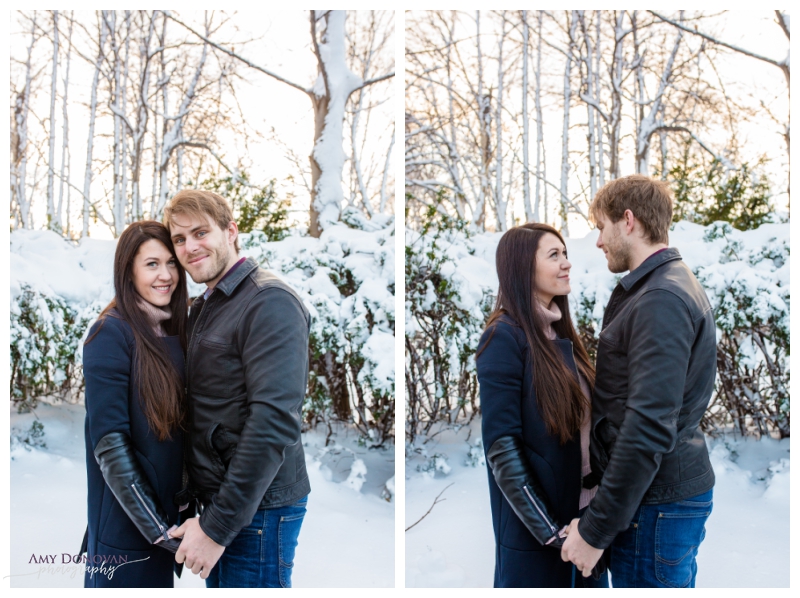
<point x="522" y="490"/>
<point x="273" y="340"/>
<point x="127" y="481"/>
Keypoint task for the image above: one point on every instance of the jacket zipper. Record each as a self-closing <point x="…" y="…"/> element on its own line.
<point x="146" y="508"/>
<point x="539" y="509"/>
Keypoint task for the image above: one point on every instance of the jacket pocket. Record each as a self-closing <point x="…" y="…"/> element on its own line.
<point x="217" y="464"/>
<point x="216" y="369"/>
<point x="224" y="443"/>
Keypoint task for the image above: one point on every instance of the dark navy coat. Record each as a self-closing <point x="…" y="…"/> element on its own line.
<point x="509" y="408"/>
<point x="112" y="405"/>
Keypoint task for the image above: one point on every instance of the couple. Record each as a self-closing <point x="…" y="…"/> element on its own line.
<point x="594" y="469"/>
<point x="194" y="410"/>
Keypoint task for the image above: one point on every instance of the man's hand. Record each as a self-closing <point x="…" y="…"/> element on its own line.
<point x="577" y="550"/>
<point x="197" y="550"/>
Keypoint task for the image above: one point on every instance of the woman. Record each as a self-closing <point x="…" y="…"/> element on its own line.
<point x="133" y="363"/>
<point x="535" y="379"/>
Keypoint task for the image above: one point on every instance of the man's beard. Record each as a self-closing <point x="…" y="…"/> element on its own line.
<point x="220" y="263"/>
<point x="619" y="258"/>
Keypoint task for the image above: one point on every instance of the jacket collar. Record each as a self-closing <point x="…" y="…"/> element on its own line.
<point x="229" y="283"/>
<point x="648" y="266"/>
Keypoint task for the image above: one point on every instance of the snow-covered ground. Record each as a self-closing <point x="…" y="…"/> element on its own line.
<point x="347" y="539"/>
<point x="746" y="544"/>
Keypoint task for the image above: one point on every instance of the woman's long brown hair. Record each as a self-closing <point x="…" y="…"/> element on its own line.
<point x="558" y="394"/>
<point x="161" y="390"/>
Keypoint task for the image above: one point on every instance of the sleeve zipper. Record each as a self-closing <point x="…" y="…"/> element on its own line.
<point x="153" y="517"/>
<point x="539" y="509"/>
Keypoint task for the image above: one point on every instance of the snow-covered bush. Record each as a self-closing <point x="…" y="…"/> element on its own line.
<point x="749" y="291"/>
<point x="451" y="281"/>
<point x="446" y="305"/>
<point x="46" y="332"/>
<point x="345" y="278"/>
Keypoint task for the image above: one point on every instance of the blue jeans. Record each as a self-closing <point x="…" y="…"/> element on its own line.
<point x="659" y="548"/>
<point x="262" y="555"/>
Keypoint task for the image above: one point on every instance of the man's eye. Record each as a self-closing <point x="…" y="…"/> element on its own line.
<point x="201" y="233"/>
<point x="177" y="241"/>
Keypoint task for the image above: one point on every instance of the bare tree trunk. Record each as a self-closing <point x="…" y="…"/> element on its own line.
<point x="64" y="176"/>
<point x="87" y="176"/>
<point x="565" y="126"/>
<point x="387" y="167"/>
<point x="650" y="123"/>
<point x="126" y="208"/>
<point x="526" y="184"/>
<point x="172" y="136"/>
<point x="540" y="171"/>
<point x="499" y="200"/>
<point x="117" y="207"/>
<point x="589" y="83"/>
<point x="452" y="149"/>
<point x="485" y="120"/>
<point x="615" y="120"/>
<point x="20" y="139"/>
<point x="139" y="131"/>
<point x="53" y="218"/>
<point x="600" y="154"/>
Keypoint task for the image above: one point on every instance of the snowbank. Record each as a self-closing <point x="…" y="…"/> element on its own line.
<point x="747" y="534"/>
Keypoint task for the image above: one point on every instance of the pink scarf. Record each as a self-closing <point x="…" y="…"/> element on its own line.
<point x="156" y="315"/>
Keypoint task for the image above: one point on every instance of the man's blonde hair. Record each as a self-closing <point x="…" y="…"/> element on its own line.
<point x="200" y="204"/>
<point x="649" y="199"/>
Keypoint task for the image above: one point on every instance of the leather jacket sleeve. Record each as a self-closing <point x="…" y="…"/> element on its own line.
<point x="658" y="349"/>
<point x="127" y="481"/>
<point x="272" y="337"/>
<point x="522" y="490"/>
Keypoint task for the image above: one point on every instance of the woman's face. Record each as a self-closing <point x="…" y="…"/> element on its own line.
<point x="552" y="269"/>
<point x="155" y="273"/>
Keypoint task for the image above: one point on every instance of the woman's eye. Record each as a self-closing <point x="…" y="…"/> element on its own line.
<point x="201" y="233"/>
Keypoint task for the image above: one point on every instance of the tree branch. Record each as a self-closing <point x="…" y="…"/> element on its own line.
<point x="435" y="502"/>
<point x="169" y="15"/>
<point x="779" y="64"/>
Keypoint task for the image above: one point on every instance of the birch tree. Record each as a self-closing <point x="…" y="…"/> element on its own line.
<point x="333" y="87"/>
<point x="19" y="139"/>
<point x="63" y="180"/>
<point x="53" y="218"/>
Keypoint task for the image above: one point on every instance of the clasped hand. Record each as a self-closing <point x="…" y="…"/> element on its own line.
<point x="199" y="552"/>
<point x="583" y="555"/>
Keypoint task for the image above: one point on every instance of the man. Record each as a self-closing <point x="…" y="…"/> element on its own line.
<point x="247" y="368"/>
<point x="656" y="363"/>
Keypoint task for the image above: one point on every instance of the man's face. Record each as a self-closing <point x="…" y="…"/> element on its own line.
<point x="203" y="248"/>
<point x="614" y="243"/>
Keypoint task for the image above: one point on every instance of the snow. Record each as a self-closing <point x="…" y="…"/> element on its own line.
<point x="328" y="151"/>
<point x="347" y="538"/>
<point x="747" y="534"/>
